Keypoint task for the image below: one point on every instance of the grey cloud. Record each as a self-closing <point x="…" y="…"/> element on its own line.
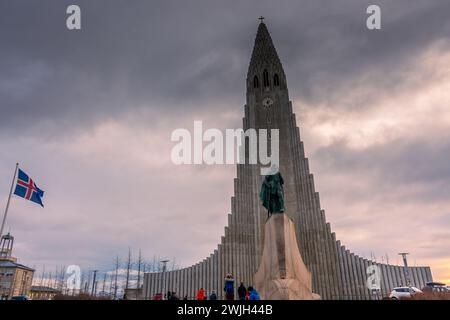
<point x="169" y="54"/>
<point x="393" y="165"/>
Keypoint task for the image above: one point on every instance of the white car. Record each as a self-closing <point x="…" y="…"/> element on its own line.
<point x="403" y="292"/>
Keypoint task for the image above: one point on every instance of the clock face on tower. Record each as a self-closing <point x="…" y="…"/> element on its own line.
<point x="267" y="102"/>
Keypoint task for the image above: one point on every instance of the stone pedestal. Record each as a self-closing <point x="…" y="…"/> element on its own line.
<point x="282" y="275"/>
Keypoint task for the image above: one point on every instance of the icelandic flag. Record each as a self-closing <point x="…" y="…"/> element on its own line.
<point x="26" y="188"/>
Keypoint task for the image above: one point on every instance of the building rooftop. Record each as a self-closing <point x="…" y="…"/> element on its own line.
<point x="10" y="264"/>
<point x="44" y="289"/>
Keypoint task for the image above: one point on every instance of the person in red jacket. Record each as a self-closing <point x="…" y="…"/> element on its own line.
<point x="201" y="294"/>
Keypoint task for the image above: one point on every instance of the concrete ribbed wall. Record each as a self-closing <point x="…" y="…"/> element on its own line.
<point x="210" y="273"/>
<point x="337" y="273"/>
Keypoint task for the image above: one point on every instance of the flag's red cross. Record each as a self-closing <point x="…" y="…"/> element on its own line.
<point x="30" y="186"/>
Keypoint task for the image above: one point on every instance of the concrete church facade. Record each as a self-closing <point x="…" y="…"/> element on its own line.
<point x="337" y="273"/>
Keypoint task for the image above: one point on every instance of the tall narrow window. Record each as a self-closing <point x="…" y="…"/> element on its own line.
<point x="255" y="82"/>
<point x="266" y="78"/>
<point x="276" y="80"/>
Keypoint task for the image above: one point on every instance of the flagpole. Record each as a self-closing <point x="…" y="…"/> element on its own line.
<point x="9" y="199"/>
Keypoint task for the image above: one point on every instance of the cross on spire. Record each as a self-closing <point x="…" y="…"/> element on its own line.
<point x="261" y="19"/>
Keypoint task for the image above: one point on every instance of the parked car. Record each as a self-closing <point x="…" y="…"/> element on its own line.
<point x="404" y="292"/>
<point x="20" y="298"/>
<point x="435" y="287"/>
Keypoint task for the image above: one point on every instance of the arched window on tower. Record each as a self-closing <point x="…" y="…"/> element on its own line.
<point x="266" y="78"/>
<point x="255" y="82"/>
<point x="276" y="80"/>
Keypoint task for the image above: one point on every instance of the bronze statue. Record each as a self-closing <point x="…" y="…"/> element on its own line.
<point x="272" y="193"/>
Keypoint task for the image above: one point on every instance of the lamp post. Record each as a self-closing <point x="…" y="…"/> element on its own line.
<point x="164" y="262"/>
<point x="406" y="268"/>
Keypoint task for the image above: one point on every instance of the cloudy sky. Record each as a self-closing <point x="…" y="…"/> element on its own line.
<point x="89" y="114"/>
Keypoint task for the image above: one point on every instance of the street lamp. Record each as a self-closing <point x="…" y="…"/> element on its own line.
<point x="405" y="266"/>
<point x="164" y="262"/>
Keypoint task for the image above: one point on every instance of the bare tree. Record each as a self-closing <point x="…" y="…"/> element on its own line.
<point x="88" y="283"/>
<point x="104" y="284"/>
<point x="55" y="282"/>
<point x="138" y="285"/>
<point x="154" y="264"/>
<point x="127" y="281"/>
<point x="49" y="280"/>
<point x="42" y="275"/>
<point x="111" y="285"/>
<point x="81" y="283"/>
<point x="115" y="277"/>
<point x="61" y="279"/>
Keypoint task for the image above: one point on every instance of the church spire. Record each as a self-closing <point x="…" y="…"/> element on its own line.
<point x="265" y="69"/>
<point x="264" y="51"/>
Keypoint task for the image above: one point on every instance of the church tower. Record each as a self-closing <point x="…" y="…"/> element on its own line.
<point x="336" y="272"/>
<point x="265" y="73"/>
<point x="268" y="107"/>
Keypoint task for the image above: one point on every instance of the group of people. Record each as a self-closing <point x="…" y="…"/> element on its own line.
<point x="243" y="293"/>
<point x="201" y="295"/>
<point x="172" y="295"/>
<point x="247" y="293"/>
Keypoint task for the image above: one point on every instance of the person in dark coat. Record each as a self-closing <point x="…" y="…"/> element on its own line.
<point x="213" y="296"/>
<point x="242" y="291"/>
